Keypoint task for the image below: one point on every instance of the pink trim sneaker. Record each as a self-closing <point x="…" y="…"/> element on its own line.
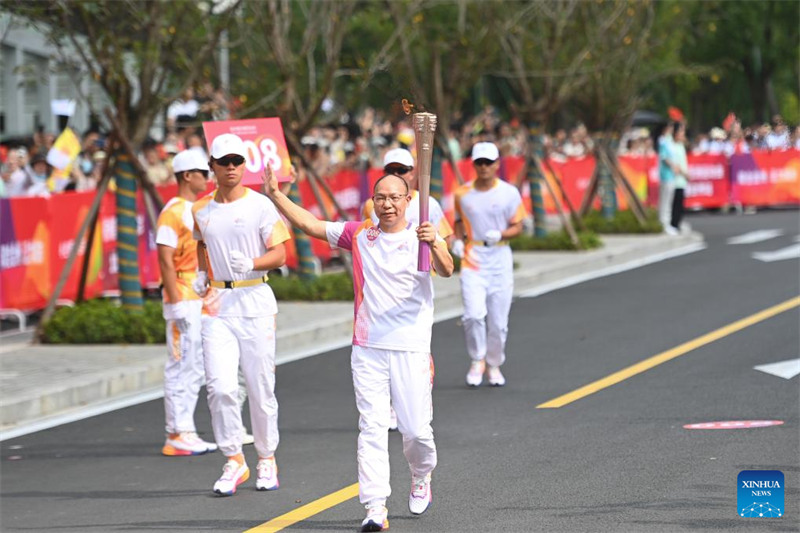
<point x="421" y="497"/>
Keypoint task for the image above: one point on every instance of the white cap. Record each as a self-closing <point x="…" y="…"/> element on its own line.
<point x="485" y="151"/>
<point x="398" y="156"/>
<point x="227" y="144"/>
<point x="189" y="160"/>
<point x="718" y="134"/>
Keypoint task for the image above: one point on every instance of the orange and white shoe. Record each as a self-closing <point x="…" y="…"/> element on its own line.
<point x="233" y="475"/>
<point x="187" y="443"/>
<point x="475" y="374"/>
<point x="377" y="518"/>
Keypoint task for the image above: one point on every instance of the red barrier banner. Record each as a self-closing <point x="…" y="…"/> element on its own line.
<point x="265" y="143"/>
<point x="66" y="216"/>
<point x="639" y="171"/>
<point x="709" y="181"/>
<point x="24" y="253"/>
<point x="575" y="176"/>
<point x="37" y="234"/>
<point x="766" y="178"/>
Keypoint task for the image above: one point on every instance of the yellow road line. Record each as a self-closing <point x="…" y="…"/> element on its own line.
<point x="307" y="511"/>
<point x="672" y="353"/>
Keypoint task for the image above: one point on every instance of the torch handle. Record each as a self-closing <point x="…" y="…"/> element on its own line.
<point x="424" y="129"/>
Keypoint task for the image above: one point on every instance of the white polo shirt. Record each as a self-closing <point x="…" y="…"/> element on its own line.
<point x="393" y="303"/>
<point x="250" y="225"/>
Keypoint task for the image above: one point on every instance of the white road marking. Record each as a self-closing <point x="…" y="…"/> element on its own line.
<point x="782" y="369"/>
<point x="756" y="236"/>
<point x="790" y="252"/>
<point x="630" y="265"/>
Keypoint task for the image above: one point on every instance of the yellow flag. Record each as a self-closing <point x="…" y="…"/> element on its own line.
<point x="63" y="153"/>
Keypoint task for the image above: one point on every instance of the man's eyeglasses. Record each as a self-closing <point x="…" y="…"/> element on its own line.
<point x="483" y="162"/>
<point x="228" y="159"/>
<point x="393" y="199"/>
<point x="398" y="170"/>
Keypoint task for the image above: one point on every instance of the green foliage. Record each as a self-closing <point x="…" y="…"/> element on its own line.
<point x="751" y="49"/>
<point x="623" y="222"/>
<point x="105" y="322"/>
<point x="556" y="241"/>
<point x="329" y="287"/>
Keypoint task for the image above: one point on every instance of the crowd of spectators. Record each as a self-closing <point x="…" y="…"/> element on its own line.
<point x="731" y="138"/>
<point x="25" y="170"/>
<point x="358" y="141"/>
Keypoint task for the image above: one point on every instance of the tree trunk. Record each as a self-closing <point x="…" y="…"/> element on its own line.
<point x="308" y="264"/>
<point x="127" y="233"/>
<point x="534" y="178"/>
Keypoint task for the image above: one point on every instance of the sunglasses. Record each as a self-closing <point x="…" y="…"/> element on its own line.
<point x="203" y="172"/>
<point x="228" y="159"/>
<point x="483" y="162"/>
<point x="398" y="170"/>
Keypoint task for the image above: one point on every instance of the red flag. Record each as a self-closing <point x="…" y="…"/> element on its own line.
<point x="727" y="124"/>
<point x="675" y="114"/>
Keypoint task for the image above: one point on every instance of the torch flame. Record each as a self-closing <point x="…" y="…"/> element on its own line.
<point x="407" y="106"/>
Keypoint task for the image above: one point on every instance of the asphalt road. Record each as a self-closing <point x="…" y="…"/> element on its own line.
<point x="616" y="460"/>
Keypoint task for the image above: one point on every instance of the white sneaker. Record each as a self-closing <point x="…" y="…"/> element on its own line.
<point x="233" y="475"/>
<point x="247" y="438"/>
<point x="187" y="443"/>
<point x="475" y="374"/>
<point x="377" y="518"/>
<point x="669" y="230"/>
<point x="421" y="496"/>
<point x="392" y="419"/>
<point x="267" y="474"/>
<point x="496" y="378"/>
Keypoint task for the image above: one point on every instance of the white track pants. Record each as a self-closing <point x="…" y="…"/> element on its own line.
<point x="487" y="302"/>
<point x="183" y="371"/>
<point x="229" y="342"/>
<point x="405" y="379"/>
<point x="665" y="193"/>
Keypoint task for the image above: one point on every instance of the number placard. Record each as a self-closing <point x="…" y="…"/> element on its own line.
<point x="264" y="142"/>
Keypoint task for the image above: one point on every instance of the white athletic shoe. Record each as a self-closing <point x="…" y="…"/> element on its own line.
<point x="669" y="230"/>
<point x="475" y="374"/>
<point x="247" y="438"/>
<point x="267" y="474"/>
<point x="421" y="496"/>
<point x="187" y="443"/>
<point x="233" y="475"/>
<point x="392" y="419"/>
<point x="377" y="518"/>
<point x="496" y="378"/>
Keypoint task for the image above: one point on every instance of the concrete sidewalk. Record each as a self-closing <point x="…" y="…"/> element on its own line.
<point x="42" y="385"/>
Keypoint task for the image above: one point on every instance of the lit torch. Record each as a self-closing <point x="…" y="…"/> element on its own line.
<point x="424" y="129"/>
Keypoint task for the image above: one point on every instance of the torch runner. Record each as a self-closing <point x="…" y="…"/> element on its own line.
<point x="424" y="128"/>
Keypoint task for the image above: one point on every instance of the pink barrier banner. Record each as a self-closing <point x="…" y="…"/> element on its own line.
<point x="766" y="178"/>
<point x="709" y="181"/>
